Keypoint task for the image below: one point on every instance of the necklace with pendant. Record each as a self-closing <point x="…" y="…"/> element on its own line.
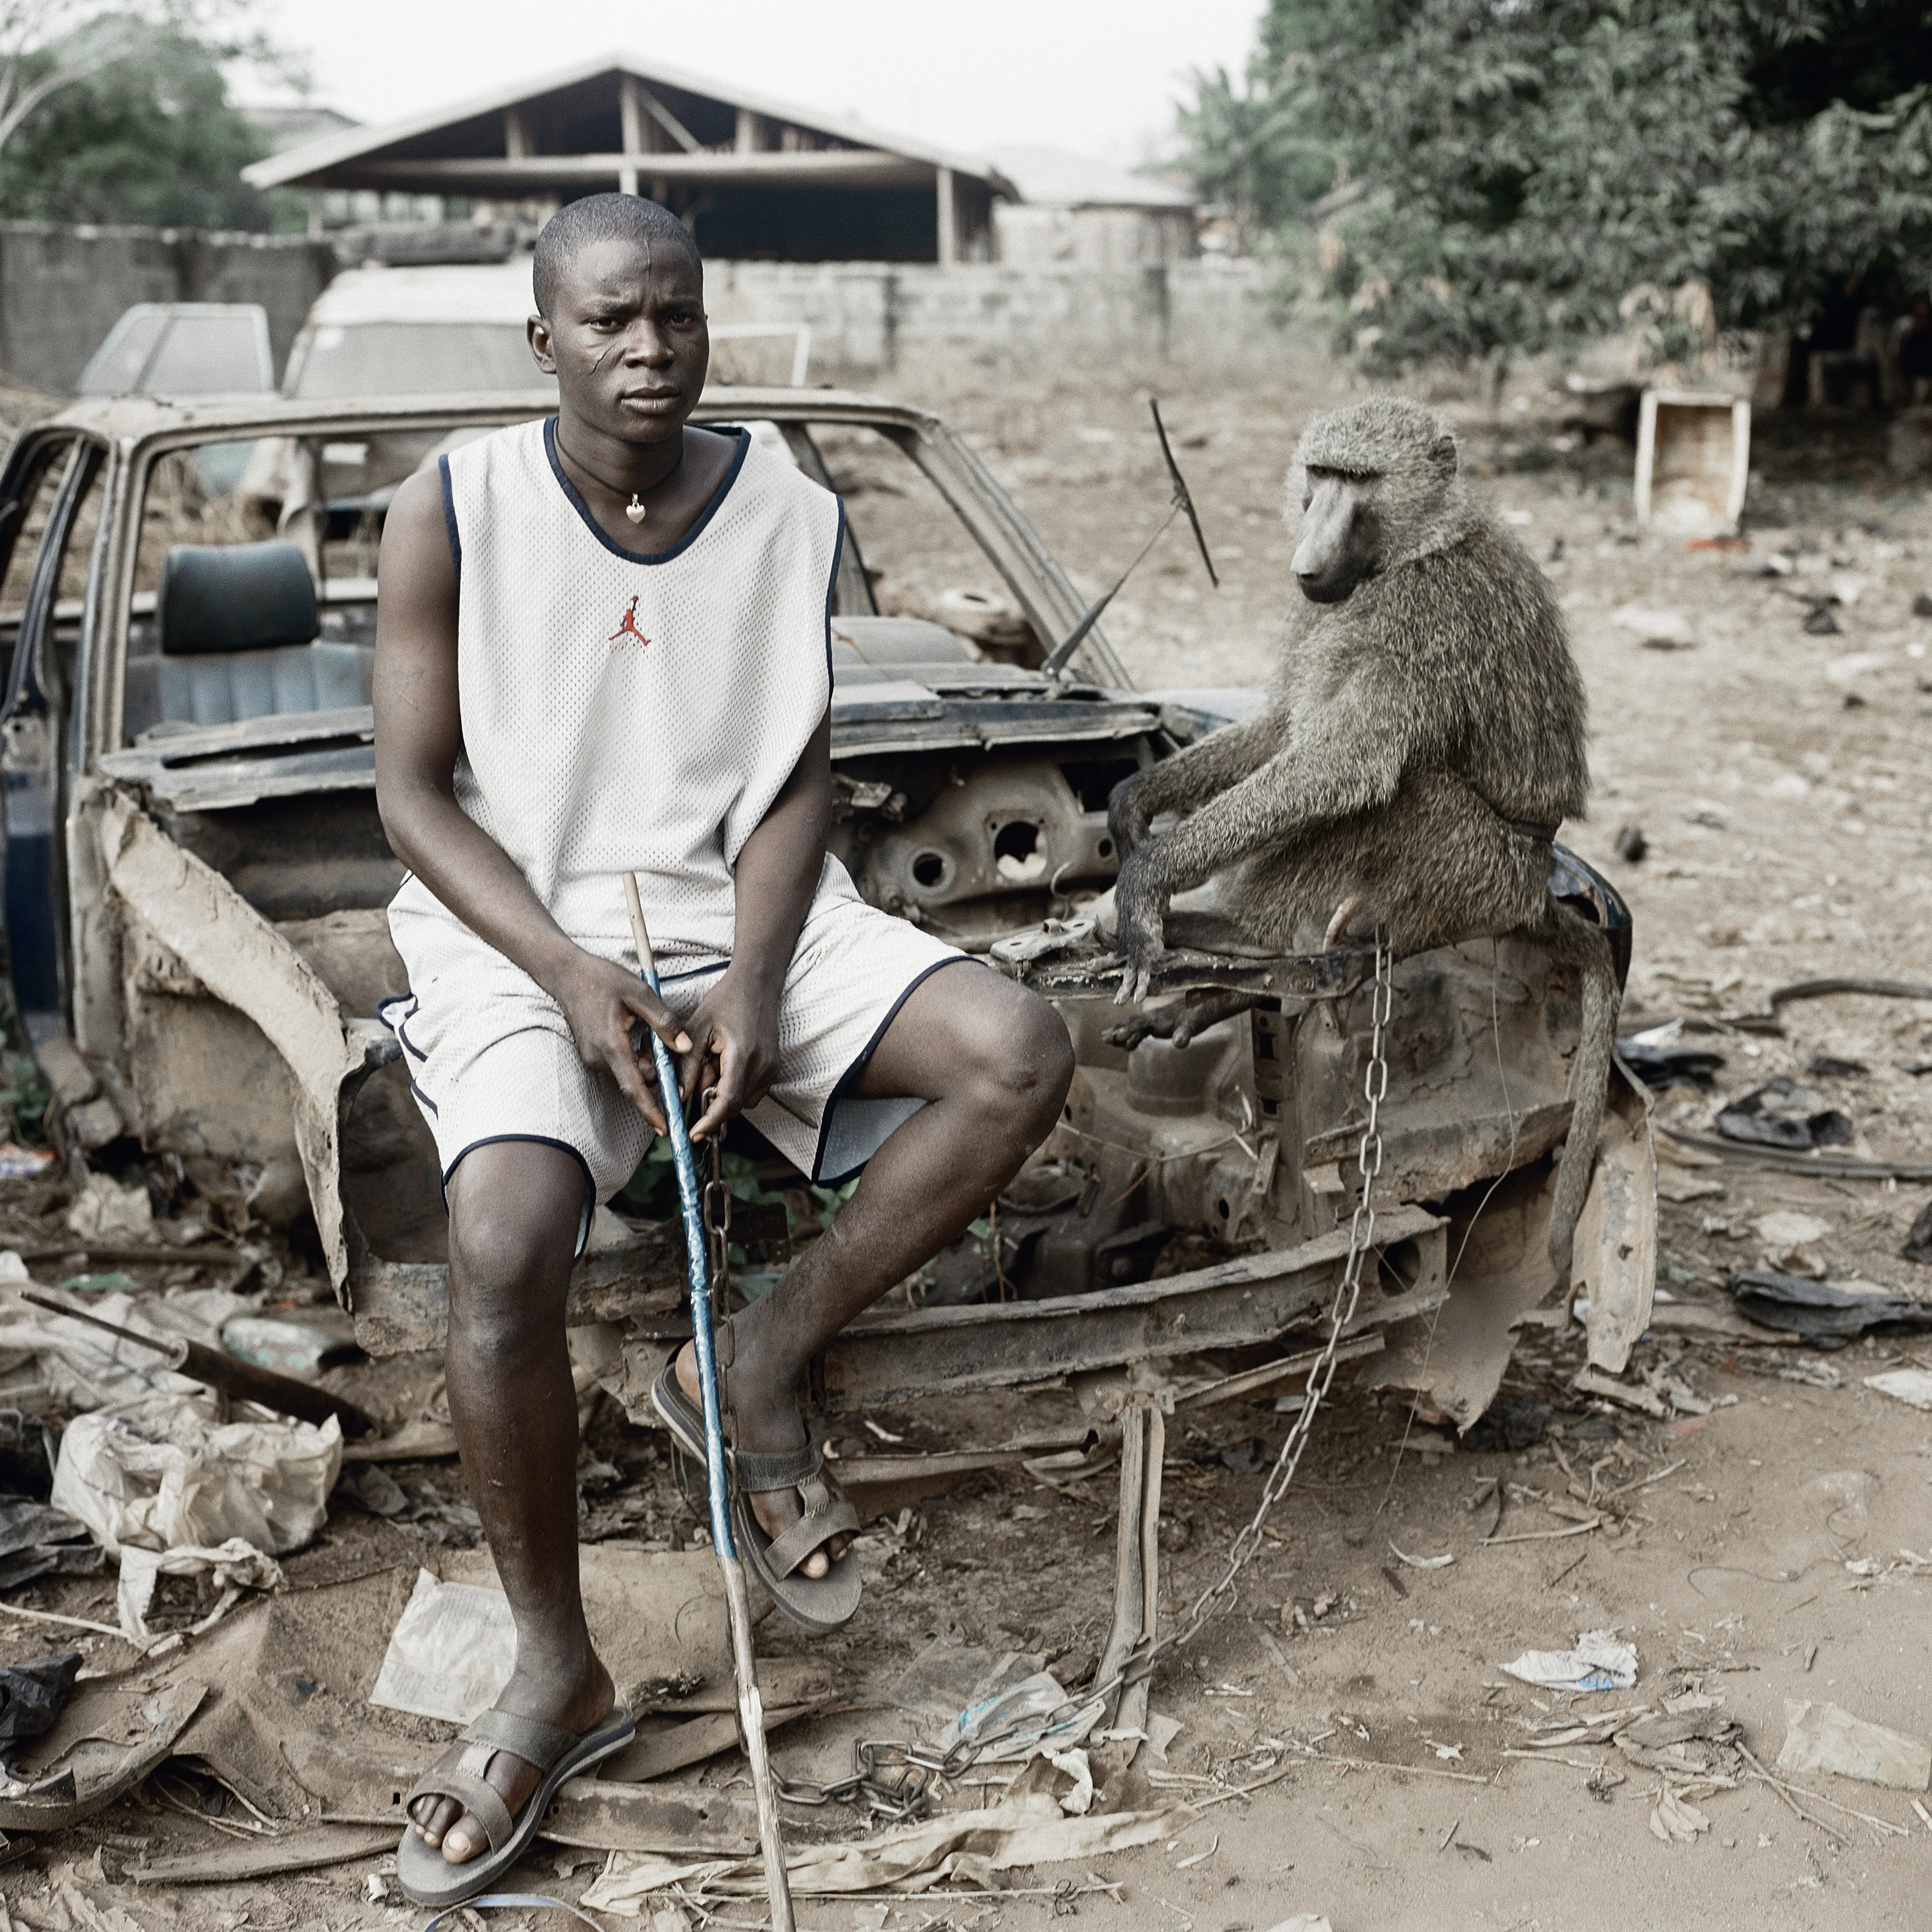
<point x="635" y="508"/>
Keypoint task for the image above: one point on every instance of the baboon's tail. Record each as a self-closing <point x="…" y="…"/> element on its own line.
<point x="1584" y="945"/>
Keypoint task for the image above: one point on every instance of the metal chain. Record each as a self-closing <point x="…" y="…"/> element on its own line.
<point x="905" y="1801"/>
<point x="1361" y="1234"/>
<point x="716" y="1211"/>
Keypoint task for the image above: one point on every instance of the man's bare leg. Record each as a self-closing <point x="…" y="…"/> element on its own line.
<point x="515" y="1208"/>
<point x="994" y="1062"/>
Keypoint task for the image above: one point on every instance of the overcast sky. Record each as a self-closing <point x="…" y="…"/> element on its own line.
<point x="1098" y="76"/>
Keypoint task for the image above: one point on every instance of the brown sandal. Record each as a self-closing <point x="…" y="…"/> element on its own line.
<point x="818" y="1603"/>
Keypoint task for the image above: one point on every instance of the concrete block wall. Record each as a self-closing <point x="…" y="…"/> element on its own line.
<point x="62" y="288"/>
<point x="873" y="320"/>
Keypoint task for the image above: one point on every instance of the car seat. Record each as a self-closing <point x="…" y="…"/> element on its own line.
<point x="238" y="636"/>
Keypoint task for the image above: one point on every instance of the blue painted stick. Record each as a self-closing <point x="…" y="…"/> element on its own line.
<point x="751" y="1709"/>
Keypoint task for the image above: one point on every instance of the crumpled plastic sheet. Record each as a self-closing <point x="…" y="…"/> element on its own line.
<point x="33" y="1694"/>
<point x="104" y="1210"/>
<point x="158" y="1474"/>
<point x="38" y="1540"/>
<point x="1598" y="1663"/>
<point x="1827" y="1737"/>
<point x="235" y="1566"/>
<point x="1031" y="1831"/>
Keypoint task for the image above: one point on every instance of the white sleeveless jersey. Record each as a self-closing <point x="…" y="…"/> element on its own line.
<point x="626" y="713"/>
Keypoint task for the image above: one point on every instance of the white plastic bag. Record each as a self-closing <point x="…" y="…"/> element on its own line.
<point x="157" y="1474"/>
<point x="1598" y="1663"/>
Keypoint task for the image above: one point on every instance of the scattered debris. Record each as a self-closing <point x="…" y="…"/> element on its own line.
<point x="1631" y="845"/>
<point x="236" y="1567"/>
<point x="1908" y="1385"/>
<point x="450" y="1654"/>
<point x="1767" y="1021"/>
<point x="29" y="1445"/>
<point x="20" y="1163"/>
<point x="1784" y="1113"/>
<point x="658" y="1617"/>
<point x="1813" y="1374"/>
<point x="314" y="1849"/>
<point x="1675" y="1819"/>
<point x="1598" y="1663"/>
<point x="1833" y="1066"/>
<point x="1656" y="630"/>
<point x="104" y="1210"/>
<point x="1825" y="1737"/>
<point x="37" y="1539"/>
<point x="32" y="1694"/>
<point x="1028" y="1831"/>
<point x="228" y="1374"/>
<point x="1593" y="1381"/>
<point x="292" y="1341"/>
<point x="1790" y="1244"/>
<point x="1658" y="1059"/>
<point x="1422" y="1562"/>
<point x="1918" y="1243"/>
<point x="1826" y="1317"/>
<point x="110" y="1736"/>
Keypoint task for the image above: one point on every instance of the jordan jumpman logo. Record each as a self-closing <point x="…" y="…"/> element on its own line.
<point x="628" y="628"/>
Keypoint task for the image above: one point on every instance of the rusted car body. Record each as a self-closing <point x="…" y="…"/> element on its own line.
<point x="197" y="879"/>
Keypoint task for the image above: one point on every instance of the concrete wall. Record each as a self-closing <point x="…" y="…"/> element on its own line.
<point x="61" y="289"/>
<point x="871" y="320"/>
<point x="1029" y="234"/>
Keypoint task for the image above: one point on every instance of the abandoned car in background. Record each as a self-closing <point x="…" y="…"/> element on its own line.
<point x="196" y="881"/>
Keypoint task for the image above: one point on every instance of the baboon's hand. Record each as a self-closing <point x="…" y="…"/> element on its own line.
<point x="1140" y="935"/>
<point x="1128" y="815"/>
<point x="1130" y="1033"/>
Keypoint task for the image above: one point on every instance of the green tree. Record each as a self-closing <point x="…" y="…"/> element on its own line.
<point x="125" y="116"/>
<point x="1523" y="165"/>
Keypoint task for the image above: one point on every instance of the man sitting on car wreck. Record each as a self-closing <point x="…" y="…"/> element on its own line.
<point x="603" y="648"/>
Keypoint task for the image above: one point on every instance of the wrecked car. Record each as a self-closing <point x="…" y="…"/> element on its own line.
<point x="197" y="882"/>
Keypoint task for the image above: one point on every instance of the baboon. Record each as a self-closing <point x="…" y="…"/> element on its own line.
<point x="1423" y="740"/>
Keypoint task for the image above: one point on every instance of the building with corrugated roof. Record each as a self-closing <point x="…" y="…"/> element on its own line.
<point x="754" y="178"/>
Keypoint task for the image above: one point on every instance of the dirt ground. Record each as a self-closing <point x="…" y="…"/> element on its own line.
<point x="1754" y="1552"/>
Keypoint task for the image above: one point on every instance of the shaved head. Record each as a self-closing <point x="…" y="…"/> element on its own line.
<point x="579" y="225"/>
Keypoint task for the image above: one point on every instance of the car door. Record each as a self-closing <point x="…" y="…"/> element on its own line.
<point x="47" y="479"/>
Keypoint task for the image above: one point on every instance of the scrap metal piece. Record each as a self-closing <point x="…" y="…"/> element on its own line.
<point x="900" y="1353"/>
<point x="242" y="959"/>
<point x="1183" y="497"/>
<point x="1136" y="1569"/>
<point x="1615" y="1262"/>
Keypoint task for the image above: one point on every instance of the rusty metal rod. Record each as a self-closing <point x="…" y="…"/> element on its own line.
<point x="232" y="1376"/>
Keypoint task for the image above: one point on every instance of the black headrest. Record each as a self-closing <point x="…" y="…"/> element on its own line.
<point x="236" y="597"/>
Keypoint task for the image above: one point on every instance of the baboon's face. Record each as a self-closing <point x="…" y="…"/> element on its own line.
<point x="1342" y="535"/>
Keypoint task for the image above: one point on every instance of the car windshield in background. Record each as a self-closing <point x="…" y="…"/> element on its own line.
<point x="399" y="358"/>
<point x="254" y="580"/>
<point x="183" y="349"/>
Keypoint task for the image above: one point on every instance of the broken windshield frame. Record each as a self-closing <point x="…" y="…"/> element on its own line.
<point x="325" y="485"/>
